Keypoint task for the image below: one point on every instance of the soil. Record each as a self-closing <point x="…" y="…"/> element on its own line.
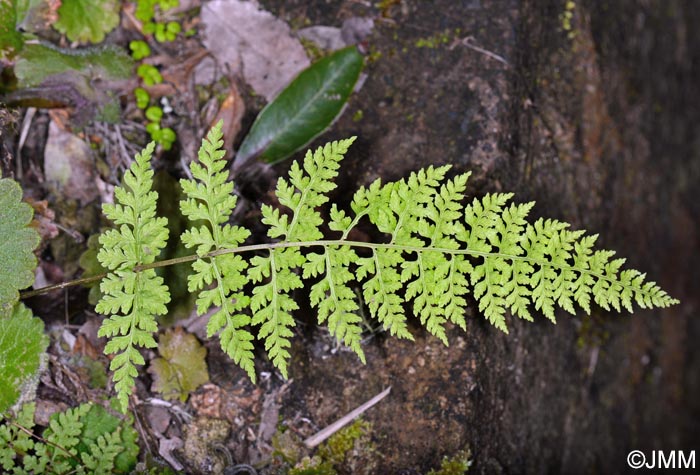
<point x="596" y="120"/>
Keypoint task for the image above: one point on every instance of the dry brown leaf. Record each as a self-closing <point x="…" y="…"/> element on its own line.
<point x="231" y="112"/>
<point x="253" y="42"/>
<point x="69" y="166"/>
<point x="182" y="367"/>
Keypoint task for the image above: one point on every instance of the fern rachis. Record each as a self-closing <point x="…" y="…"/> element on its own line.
<point x="436" y="252"/>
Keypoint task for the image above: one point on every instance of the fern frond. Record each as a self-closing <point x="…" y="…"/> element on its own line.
<point x="434" y="252"/>
<point x="132" y="298"/>
<point x="210" y="199"/>
<point x="85" y="439"/>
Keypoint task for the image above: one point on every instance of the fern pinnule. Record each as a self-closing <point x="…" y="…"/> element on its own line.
<point x="132" y="298"/>
<point x="210" y="199"/>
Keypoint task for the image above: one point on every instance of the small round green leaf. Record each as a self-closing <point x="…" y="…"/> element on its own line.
<point x="142" y="97"/>
<point x="154" y="113"/>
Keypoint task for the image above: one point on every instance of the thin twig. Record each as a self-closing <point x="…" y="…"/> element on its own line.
<point x="26" y="125"/>
<point x="468" y="43"/>
<point x="325" y="433"/>
<point x="125" y="156"/>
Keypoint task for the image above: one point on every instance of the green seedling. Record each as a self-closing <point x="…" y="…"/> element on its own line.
<point x="139" y="50"/>
<point x="150" y="74"/>
<point x="142" y="97"/>
<point x="154" y="113"/>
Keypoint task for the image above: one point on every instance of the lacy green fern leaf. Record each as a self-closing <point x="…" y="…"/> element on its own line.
<point x="85" y="439"/>
<point x="272" y="303"/>
<point x="210" y="199"/>
<point x="13" y="440"/>
<point x="434" y="252"/>
<point x="132" y="297"/>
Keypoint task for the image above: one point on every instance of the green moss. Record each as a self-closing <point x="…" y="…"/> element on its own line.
<point x="313" y="466"/>
<point x="349" y="446"/>
<point x="313" y="51"/>
<point x="438" y="39"/>
<point x="455" y="465"/>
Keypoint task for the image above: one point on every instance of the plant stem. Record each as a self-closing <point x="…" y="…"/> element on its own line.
<point x="320" y="243"/>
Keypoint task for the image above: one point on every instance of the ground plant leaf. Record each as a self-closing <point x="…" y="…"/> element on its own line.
<point x="87" y="20"/>
<point x="84" y="439"/>
<point x="303" y="110"/>
<point x="22" y="347"/>
<point x="182" y="367"/>
<point x="99" y="422"/>
<point x="17" y="244"/>
<point x="11" y="40"/>
<point x="42" y="62"/>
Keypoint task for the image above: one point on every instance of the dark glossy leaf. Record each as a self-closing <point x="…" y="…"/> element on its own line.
<point x="303" y="110"/>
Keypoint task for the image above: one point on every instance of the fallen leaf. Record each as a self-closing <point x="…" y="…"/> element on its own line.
<point x="231" y="113"/>
<point x="45" y="219"/>
<point x="255" y="42"/>
<point x="166" y="448"/>
<point x="69" y="166"/>
<point x="182" y="367"/>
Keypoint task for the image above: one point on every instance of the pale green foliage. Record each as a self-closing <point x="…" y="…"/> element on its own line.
<point x="272" y="302"/>
<point x="210" y="199"/>
<point x="42" y="62"/>
<point x="87" y="20"/>
<point x="82" y="440"/>
<point x="132" y="298"/>
<point x="435" y="252"/>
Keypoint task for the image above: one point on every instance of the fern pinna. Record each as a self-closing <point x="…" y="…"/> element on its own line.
<point x="436" y="251"/>
<point x="132" y="297"/>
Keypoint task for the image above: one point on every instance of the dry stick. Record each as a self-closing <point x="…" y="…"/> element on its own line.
<point x="323" y="434"/>
<point x="26" y="125"/>
<point x="467" y="42"/>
